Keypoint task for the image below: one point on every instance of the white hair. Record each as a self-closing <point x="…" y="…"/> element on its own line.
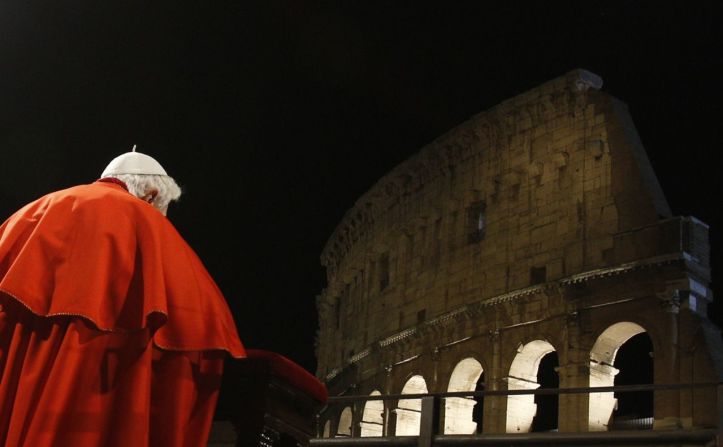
<point x="141" y="184"/>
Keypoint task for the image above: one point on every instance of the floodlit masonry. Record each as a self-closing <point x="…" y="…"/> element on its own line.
<point x="535" y="228"/>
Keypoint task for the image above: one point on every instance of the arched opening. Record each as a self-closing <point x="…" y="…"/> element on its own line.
<point x="547" y="404"/>
<point x="622" y="355"/>
<point x="521" y="409"/>
<point x="327" y="430"/>
<point x="459" y="411"/>
<point x="478" y="411"/>
<point x="372" y="423"/>
<point x="635" y="362"/>
<point x="344" y="428"/>
<point x="409" y="410"/>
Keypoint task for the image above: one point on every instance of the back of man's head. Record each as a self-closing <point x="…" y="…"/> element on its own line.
<point x="145" y="179"/>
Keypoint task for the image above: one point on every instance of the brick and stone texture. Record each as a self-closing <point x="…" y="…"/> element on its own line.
<point x="539" y="220"/>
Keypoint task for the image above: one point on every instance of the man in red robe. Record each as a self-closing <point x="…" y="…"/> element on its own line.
<point x="112" y="333"/>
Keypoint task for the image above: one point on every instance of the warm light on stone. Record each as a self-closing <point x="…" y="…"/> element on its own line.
<point x="344" y="428"/>
<point x="536" y="226"/>
<point x="408" y="410"/>
<point x="458" y="410"/>
<point x="372" y="423"/>
<point x="523" y="376"/>
<point x="602" y="373"/>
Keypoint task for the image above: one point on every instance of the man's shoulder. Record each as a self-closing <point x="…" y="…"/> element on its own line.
<point x="100" y="195"/>
<point x="96" y="190"/>
<point x="109" y="203"/>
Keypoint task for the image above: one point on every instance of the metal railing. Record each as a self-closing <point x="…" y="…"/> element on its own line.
<point x="430" y="411"/>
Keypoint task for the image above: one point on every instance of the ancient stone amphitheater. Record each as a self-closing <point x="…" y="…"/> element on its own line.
<point x="535" y="235"/>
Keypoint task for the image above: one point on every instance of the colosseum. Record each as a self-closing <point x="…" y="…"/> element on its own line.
<point x="525" y="248"/>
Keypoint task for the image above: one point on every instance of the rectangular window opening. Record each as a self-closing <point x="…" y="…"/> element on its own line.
<point x="384" y="271"/>
<point x="538" y="275"/>
<point x="337" y="309"/>
<point x="476" y="222"/>
<point x="421" y="316"/>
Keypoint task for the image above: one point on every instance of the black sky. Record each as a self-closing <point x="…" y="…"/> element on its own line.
<point x="275" y="116"/>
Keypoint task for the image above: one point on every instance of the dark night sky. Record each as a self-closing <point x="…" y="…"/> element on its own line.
<point x="275" y="116"/>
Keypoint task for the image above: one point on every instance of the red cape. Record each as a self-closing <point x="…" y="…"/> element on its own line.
<point x="112" y="333"/>
<point x="97" y="252"/>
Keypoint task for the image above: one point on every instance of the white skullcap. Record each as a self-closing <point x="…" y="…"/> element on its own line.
<point x="133" y="163"/>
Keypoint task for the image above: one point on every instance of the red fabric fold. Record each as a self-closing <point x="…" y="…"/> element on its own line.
<point x="63" y="383"/>
<point x="123" y="268"/>
<point x="112" y="333"/>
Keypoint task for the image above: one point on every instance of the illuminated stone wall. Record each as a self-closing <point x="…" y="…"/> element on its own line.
<point x="536" y="223"/>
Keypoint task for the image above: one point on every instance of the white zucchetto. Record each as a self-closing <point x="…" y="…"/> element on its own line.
<point x="133" y="163"/>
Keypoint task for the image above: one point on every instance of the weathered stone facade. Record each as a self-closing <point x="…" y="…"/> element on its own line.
<point x="535" y="226"/>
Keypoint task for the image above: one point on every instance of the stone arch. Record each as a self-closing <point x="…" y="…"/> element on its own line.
<point x="343" y="430"/>
<point x="521" y="408"/>
<point x="650" y="323"/>
<point x="326" y="433"/>
<point x="458" y="410"/>
<point x="602" y="372"/>
<point x="409" y="410"/>
<point x="372" y="423"/>
<point x="637" y="367"/>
